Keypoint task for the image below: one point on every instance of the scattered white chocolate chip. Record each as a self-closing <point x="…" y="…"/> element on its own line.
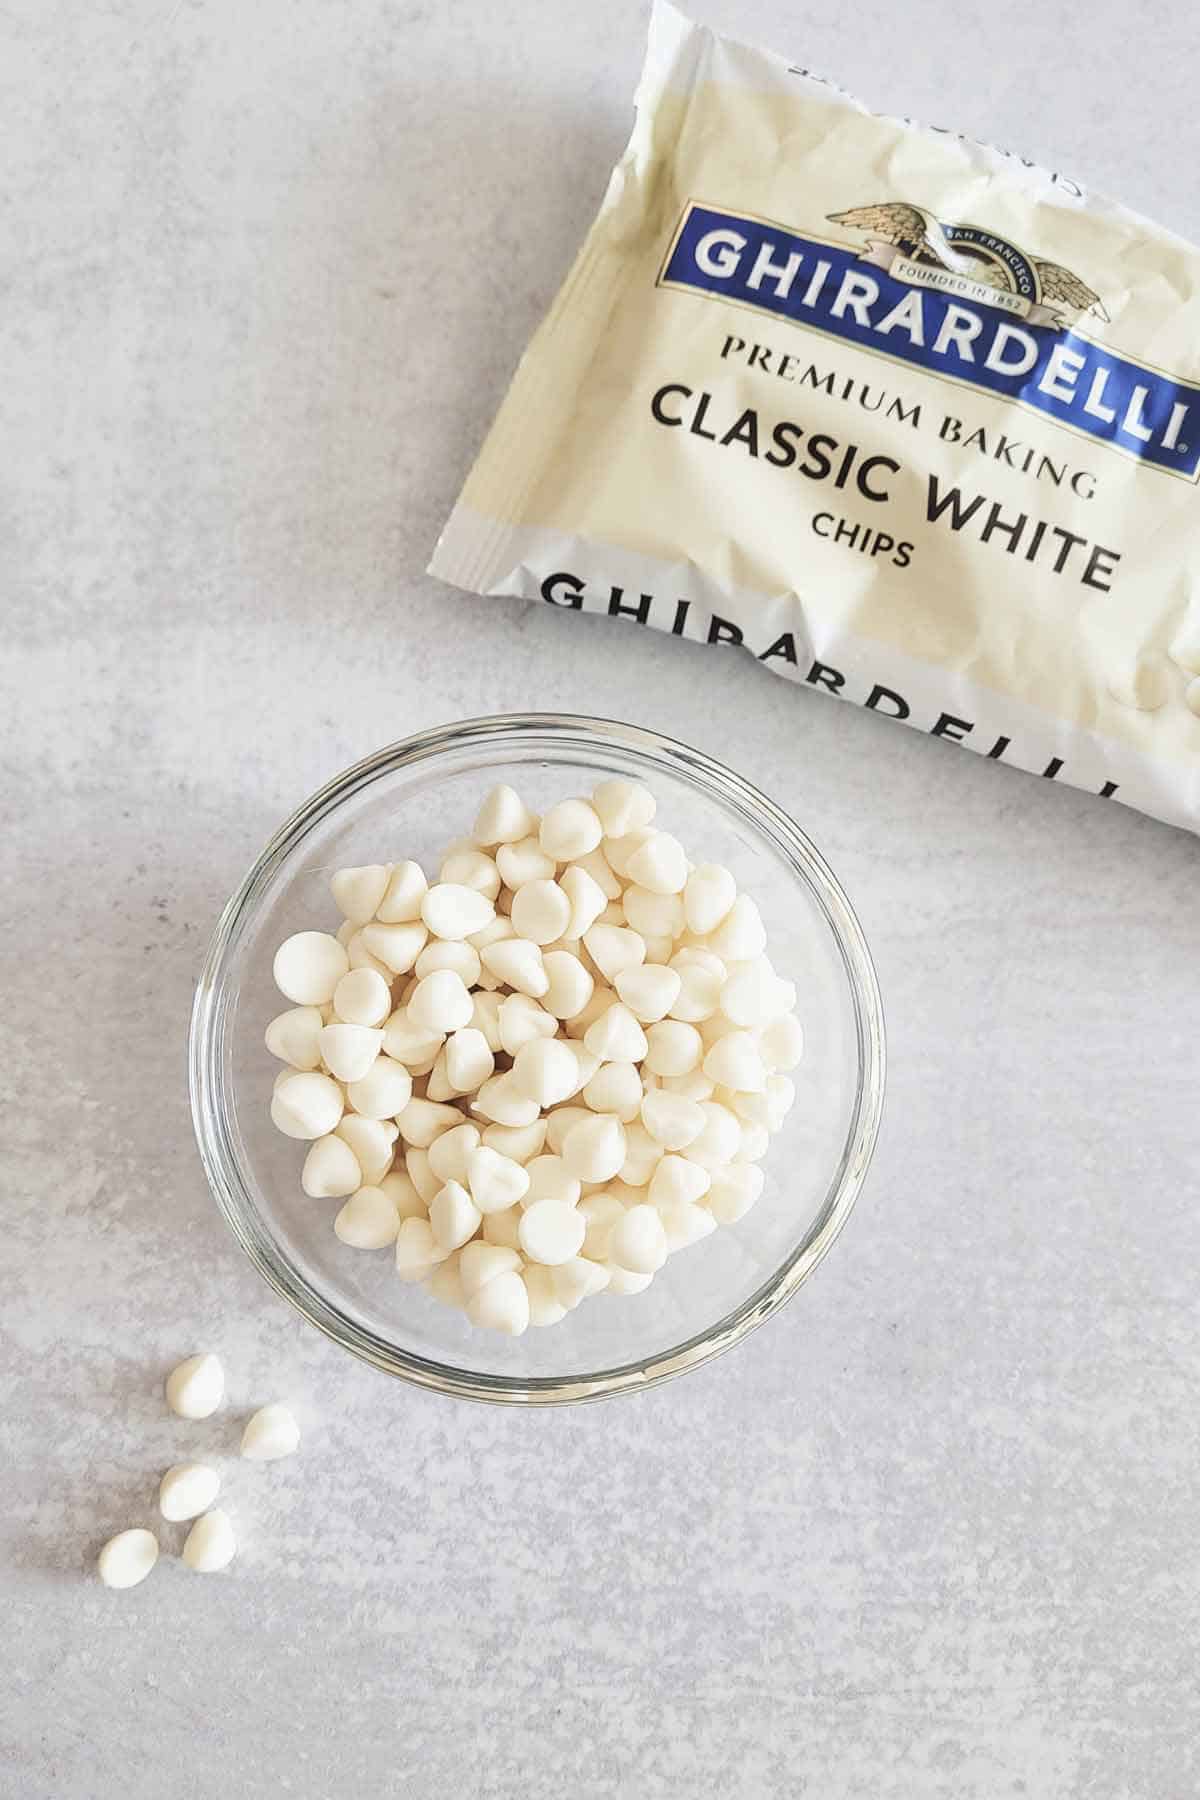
<point x="270" y="1433"/>
<point x="195" y="1387"/>
<point x="127" y="1558"/>
<point x="210" y="1545"/>
<point x="186" y="1490"/>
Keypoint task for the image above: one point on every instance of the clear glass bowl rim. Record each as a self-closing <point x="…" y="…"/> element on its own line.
<point x="554" y="733"/>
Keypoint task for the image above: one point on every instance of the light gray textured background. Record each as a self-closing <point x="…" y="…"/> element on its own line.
<point x="266" y="267"/>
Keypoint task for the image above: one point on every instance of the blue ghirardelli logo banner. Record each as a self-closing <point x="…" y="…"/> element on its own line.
<point x="954" y="299"/>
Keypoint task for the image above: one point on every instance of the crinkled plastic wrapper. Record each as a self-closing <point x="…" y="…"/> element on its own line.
<point x="910" y="421"/>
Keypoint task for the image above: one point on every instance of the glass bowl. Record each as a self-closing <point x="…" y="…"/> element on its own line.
<point x="409" y="800"/>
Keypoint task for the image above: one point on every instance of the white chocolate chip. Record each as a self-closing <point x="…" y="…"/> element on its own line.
<point x="615" y="1088"/>
<point x="622" y="806"/>
<point x="480" y="1264"/>
<point x="616" y="1036"/>
<point x="395" y="947"/>
<point x="127" y="1558"/>
<point x="657" y="917"/>
<point x="626" y="1281"/>
<point x="546" y="1070"/>
<point x="496" y="1182"/>
<point x="550" y="1179"/>
<point x="707" y="897"/>
<point x="454" y="1216"/>
<point x="551" y="1232"/>
<point x="503" y="1228"/>
<point x="306" y="1105"/>
<point x="186" y="1490"/>
<point x="598" y="868"/>
<point x="369" y="1220"/>
<point x="349" y="1050"/>
<point x="638" y="1241"/>
<point x="569" y="829"/>
<point x="362" y="997"/>
<point x="740" y="936"/>
<point x="676" y="1179"/>
<point x="469" y="1060"/>
<point x="450" y="1152"/>
<point x="401" y="902"/>
<point x="544" y="1306"/>
<point x="331" y="1168"/>
<point x="577" y="1280"/>
<point x="420" y="1173"/>
<point x="471" y="868"/>
<point x="407" y="1042"/>
<point x="560" y="1121"/>
<point x="518" y="963"/>
<point x="649" y="991"/>
<point x="308" y="967"/>
<point x="270" y="1433"/>
<point x="520" y="1143"/>
<point x="383" y="1092"/>
<point x="569" y="985"/>
<point x="294" y="1037"/>
<point x="195" y="1387"/>
<point x="458" y="955"/>
<point x="734" y="1062"/>
<point x="660" y="864"/>
<point x="358" y="892"/>
<point x="671" y="1120"/>
<point x="685" y="1223"/>
<point x="421" y="1121"/>
<point x="672" y="1047"/>
<point x="402" y="1194"/>
<point x="503" y="1102"/>
<point x="440" y="1003"/>
<point x="445" y="1284"/>
<point x="453" y="911"/>
<point x="587" y="899"/>
<point x="600" y="1213"/>
<point x="210" y="1545"/>
<point x="503" y="818"/>
<point x="614" y="949"/>
<point x="618" y="850"/>
<point x="501" y="1305"/>
<point x="733" y="1192"/>
<point x="754" y="995"/>
<point x="719" y="1140"/>
<point x="594" y="1149"/>
<point x="520" y="1020"/>
<point x="541" y="912"/>
<point x="524" y="862"/>
<point x="417" y="1250"/>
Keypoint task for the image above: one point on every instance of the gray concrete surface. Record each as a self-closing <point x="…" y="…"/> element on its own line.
<point x="932" y="1533"/>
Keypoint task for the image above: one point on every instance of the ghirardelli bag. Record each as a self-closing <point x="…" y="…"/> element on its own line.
<point x="907" y="419"/>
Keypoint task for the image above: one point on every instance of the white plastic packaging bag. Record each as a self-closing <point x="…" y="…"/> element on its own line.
<point x="909" y="420"/>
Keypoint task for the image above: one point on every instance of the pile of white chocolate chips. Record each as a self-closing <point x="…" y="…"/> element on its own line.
<point x="541" y="1073"/>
